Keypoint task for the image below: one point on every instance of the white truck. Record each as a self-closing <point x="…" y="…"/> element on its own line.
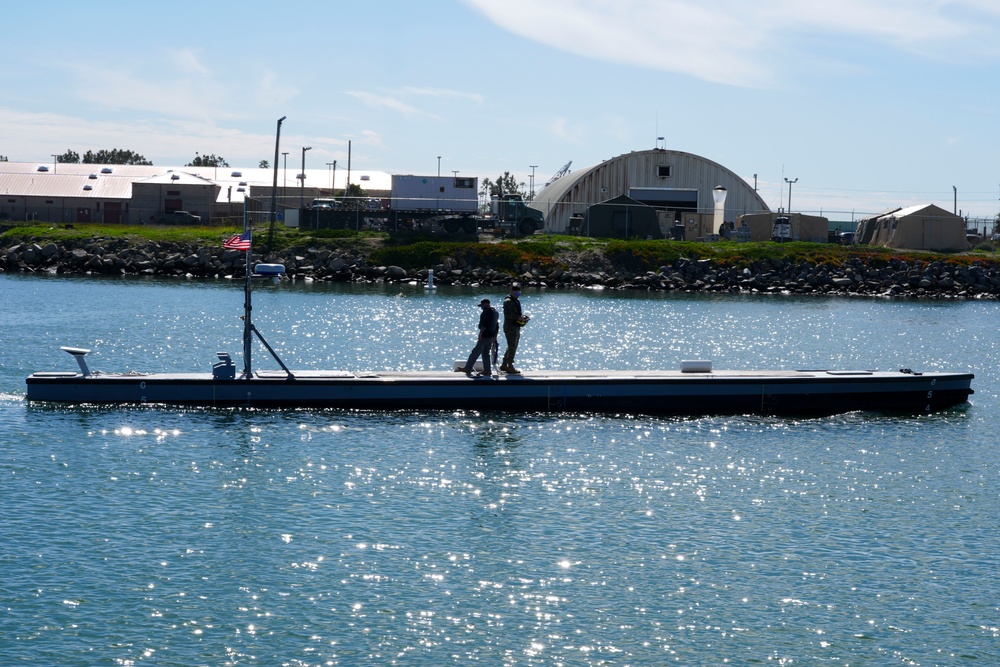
<point x="435" y="194"/>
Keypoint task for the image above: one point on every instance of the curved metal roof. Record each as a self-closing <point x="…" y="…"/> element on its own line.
<point x="675" y="174"/>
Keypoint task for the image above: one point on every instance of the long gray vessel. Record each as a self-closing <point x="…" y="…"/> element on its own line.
<point x="694" y="389"/>
<point x="652" y="392"/>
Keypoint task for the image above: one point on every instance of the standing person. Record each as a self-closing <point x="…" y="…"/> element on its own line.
<point x="489" y="327"/>
<point x="513" y="320"/>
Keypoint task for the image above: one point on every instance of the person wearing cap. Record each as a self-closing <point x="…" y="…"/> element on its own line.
<point x="513" y="320"/>
<point x="489" y="327"/>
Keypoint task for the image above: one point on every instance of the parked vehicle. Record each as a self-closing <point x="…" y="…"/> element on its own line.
<point x="327" y="204"/>
<point x="178" y="218"/>
<point x="782" y="229"/>
<point x="434" y="203"/>
<point x="513" y="213"/>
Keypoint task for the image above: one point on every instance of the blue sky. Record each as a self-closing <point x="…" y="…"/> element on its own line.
<point x="868" y="103"/>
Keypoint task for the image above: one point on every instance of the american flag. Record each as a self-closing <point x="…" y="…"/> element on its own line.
<point x="239" y="242"/>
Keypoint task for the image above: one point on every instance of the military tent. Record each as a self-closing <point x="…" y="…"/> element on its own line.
<point x="761" y="226"/>
<point x="621" y="217"/>
<point x="919" y="227"/>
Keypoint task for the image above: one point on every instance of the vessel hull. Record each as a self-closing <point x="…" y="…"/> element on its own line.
<point x="650" y="392"/>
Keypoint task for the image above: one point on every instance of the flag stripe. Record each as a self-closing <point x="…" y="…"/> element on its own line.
<point x="239" y="242"/>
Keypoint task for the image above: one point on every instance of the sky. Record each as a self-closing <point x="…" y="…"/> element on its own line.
<point x="864" y="104"/>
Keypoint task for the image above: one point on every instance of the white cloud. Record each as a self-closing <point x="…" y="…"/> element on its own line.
<point x="177" y="86"/>
<point x="187" y="61"/>
<point x="746" y="43"/>
<point x="445" y="93"/>
<point x="384" y="102"/>
<point x="162" y="141"/>
<point x="561" y="129"/>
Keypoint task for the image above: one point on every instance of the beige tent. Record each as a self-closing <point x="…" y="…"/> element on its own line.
<point x="812" y="228"/>
<point x="920" y="227"/>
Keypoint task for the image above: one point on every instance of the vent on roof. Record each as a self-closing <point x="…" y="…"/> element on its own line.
<point x="88" y="187"/>
<point x="106" y="170"/>
<point x="241" y="189"/>
<point x="175" y="177"/>
<point x="366" y="177"/>
<point x="237" y="174"/>
<point x="243" y="182"/>
<point x="92" y="176"/>
<point x="42" y="167"/>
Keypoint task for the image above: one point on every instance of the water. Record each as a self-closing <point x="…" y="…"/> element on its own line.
<point x="319" y="537"/>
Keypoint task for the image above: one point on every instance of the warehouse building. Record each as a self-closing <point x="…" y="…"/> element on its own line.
<point x="673" y="182"/>
<point x="134" y="194"/>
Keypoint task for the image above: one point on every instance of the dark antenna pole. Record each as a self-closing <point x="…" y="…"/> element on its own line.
<point x="274" y="186"/>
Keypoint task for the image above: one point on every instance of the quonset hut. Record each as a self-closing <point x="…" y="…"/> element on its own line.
<point x="670" y="181"/>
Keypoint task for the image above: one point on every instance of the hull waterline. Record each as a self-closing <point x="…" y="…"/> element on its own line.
<point x="650" y="392"/>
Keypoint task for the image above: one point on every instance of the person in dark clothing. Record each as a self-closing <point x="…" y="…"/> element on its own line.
<point x="513" y="320"/>
<point x="489" y="327"/>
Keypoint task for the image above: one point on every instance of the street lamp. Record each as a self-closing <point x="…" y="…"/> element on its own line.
<point x="719" y="197"/>
<point x="330" y="164"/>
<point x="439" y="165"/>
<point x="270" y="237"/>
<point x="55" y="160"/>
<point x="790" y="184"/>
<point x="302" y="187"/>
<point x="532" y="193"/>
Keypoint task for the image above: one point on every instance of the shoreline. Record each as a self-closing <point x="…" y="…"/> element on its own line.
<point x="897" y="277"/>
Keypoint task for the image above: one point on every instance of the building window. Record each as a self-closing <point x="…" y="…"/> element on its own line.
<point x="464" y="183"/>
<point x="663" y="170"/>
<point x="175" y="193"/>
<point x="49" y="201"/>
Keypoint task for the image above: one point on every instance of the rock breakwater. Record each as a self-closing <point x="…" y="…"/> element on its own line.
<point x="591" y="269"/>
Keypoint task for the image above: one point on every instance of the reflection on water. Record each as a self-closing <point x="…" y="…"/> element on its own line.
<point x="308" y="537"/>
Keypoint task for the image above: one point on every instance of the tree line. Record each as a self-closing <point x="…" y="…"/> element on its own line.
<point x="122" y="156"/>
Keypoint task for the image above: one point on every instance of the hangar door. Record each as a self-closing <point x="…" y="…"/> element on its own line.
<point x="675" y="199"/>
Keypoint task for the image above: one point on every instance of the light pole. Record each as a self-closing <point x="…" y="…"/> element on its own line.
<point x="55" y="160"/>
<point x="439" y="165"/>
<point x="302" y="188"/>
<point x="719" y="197"/>
<point x="333" y="179"/>
<point x="790" y="184"/>
<point x="531" y="195"/>
<point x="330" y="164"/>
<point x="270" y="234"/>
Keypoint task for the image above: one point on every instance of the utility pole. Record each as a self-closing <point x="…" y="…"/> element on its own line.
<point x="284" y="184"/>
<point x="270" y="236"/>
<point x="790" y="184"/>
<point x="531" y="194"/>
<point x="302" y="188"/>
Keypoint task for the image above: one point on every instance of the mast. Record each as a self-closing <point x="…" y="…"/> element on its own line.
<point x="247" y="307"/>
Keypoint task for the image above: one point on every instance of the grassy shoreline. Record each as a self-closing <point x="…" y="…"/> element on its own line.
<point x="538" y="250"/>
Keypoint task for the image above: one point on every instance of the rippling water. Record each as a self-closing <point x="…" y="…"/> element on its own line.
<point x="213" y="537"/>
